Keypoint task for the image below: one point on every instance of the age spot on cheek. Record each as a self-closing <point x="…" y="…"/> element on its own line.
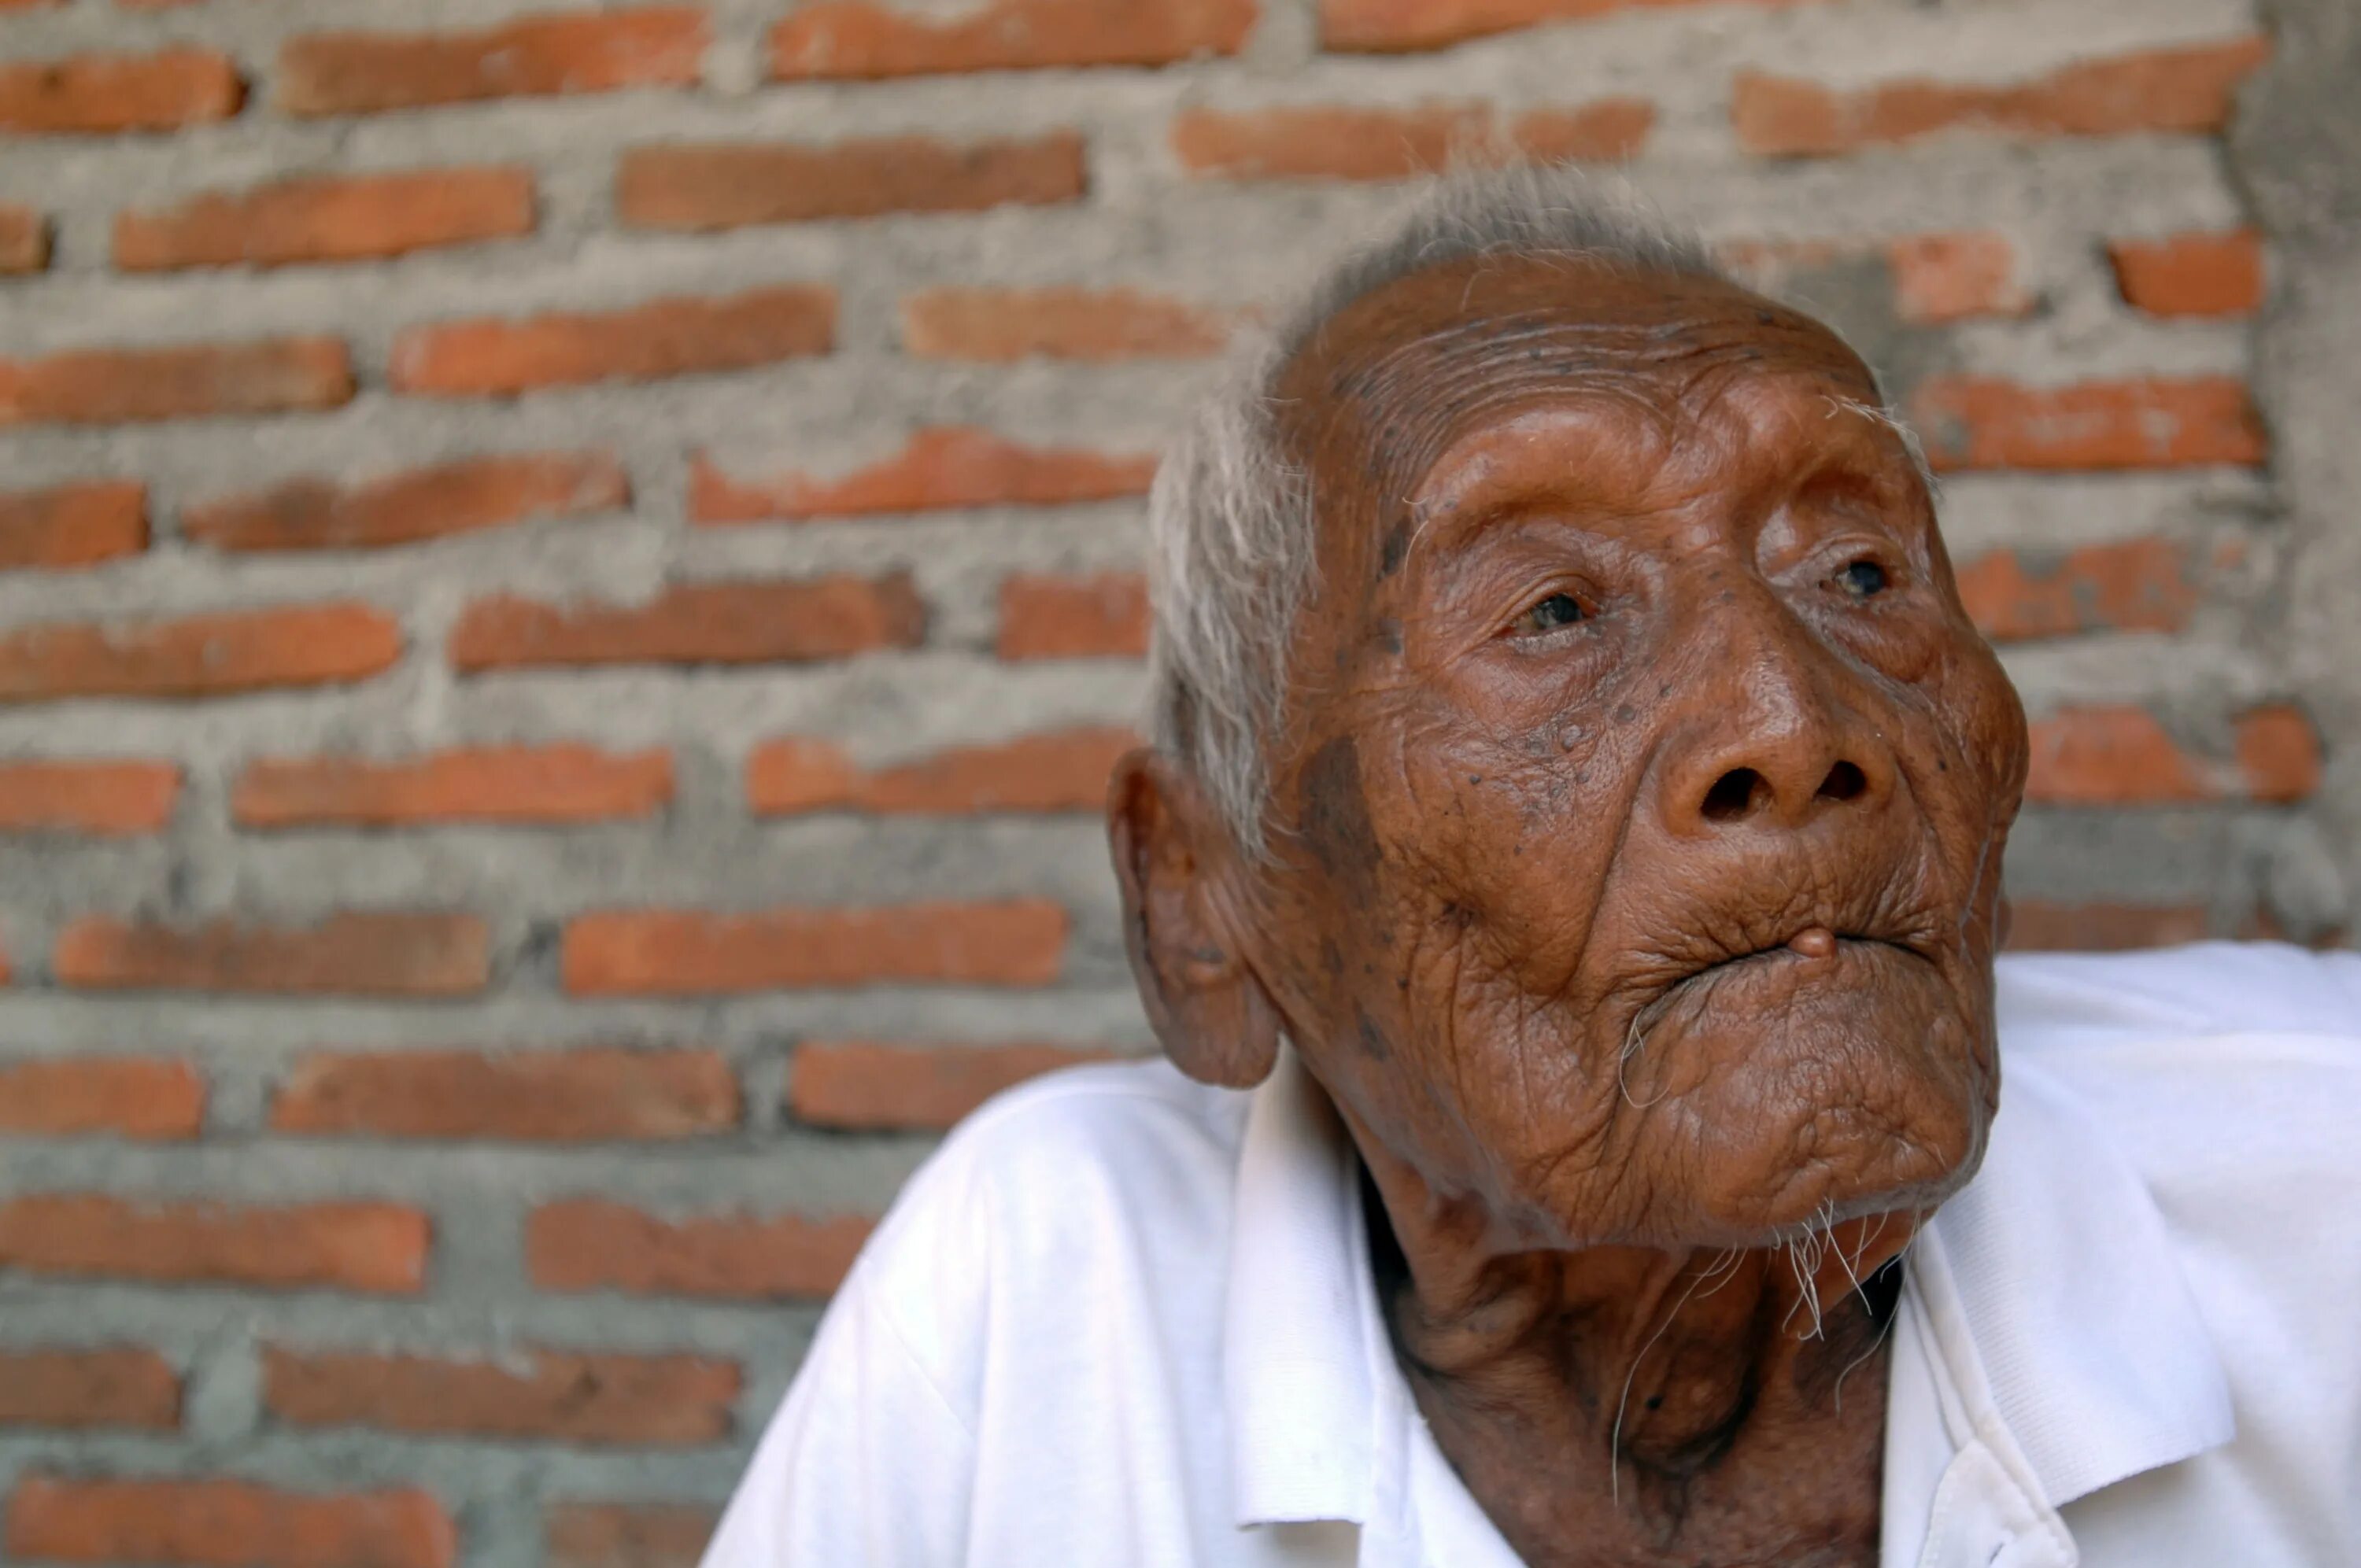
<point x="1335" y="815"/>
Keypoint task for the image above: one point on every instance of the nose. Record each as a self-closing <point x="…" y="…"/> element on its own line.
<point x="1782" y="752"/>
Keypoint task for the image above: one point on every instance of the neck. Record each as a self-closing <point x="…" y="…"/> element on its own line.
<point x="1639" y="1386"/>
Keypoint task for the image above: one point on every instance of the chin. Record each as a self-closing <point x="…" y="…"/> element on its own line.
<point x="1798" y="1095"/>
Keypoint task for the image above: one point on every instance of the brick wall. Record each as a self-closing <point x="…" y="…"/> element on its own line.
<point x="567" y="587"/>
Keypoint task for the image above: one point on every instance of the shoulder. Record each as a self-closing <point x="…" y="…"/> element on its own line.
<point x="1060" y="1192"/>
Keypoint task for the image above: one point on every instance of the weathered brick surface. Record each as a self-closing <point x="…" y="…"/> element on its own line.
<point x="865" y="1084"/>
<point x="574" y="1096"/>
<point x="330" y="219"/>
<point x="379" y="954"/>
<point x="2188" y="89"/>
<point x="645" y="343"/>
<point x="533" y="56"/>
<point x="74" y="525"/>
<point x="940" y="467"/>
<point x="476" y="783"/>
<point x="626" y="1535"/>
<point x="127" y="1097"/>
<point x="214" y="1523"/>
<point x="205" y="655"/>
<point x="109" y="386"/>
<point x="1073" y="618"/>
<point x="565" y="1395"/>
<point x="23" y="240"/>
<point x="374" y="1247"/>
<point x="1399" y="24"/>
<point x="863" y="40"/>
<point x="720" y="623"/>
<point x="117" y="1386"/>
<point x="1977" y="422"/>
<point x="1342" y="142"/>
<point x="700" y="188"/>
<point x="570" y="580"/>
<point x="100" y="94"/>
<point x="593" y="1243"/>
<point x="2191" y="274"/>
<point x="2140" y="585"/>
<point x="1063" y="771"/>
<point x="657" y="952"/>
<point x="402" y="509"/>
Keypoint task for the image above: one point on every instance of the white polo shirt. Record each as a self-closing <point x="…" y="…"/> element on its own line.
<point x="1123" y="1318"/>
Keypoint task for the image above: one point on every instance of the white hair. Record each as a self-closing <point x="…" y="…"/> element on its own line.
<point x="1232" y="519"/>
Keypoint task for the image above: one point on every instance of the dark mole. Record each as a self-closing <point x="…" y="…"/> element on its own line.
<point x="1474" y="778"/>
<point x="1373" y="1039"/>
<point x="1942" y="766"/>
<point x="1625" y="713"/>
<point x="1764" y="318"/>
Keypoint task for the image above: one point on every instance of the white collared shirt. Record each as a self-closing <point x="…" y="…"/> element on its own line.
<point x="1121" y="1319"/>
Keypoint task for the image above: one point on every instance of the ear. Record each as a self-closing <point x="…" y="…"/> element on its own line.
<point x="1181" y="881"/>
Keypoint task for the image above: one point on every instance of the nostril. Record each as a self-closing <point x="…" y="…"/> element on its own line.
<point x="1845" y="782"/>
<point x="1732" y="795"/>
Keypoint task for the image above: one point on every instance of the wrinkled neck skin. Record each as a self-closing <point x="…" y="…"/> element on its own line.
<point x="1629" y="1405"/>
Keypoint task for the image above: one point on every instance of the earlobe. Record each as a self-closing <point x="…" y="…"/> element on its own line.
<point x="1172" y="856"/>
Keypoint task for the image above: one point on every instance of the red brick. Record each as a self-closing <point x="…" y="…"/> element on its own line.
<point x="476" y="783"/>
<point x="108" y="386"/>
<point x="74" y="525"/>
<point x="328" y="218"/>
<point x="645" y="343"/>
<point x="999" y="325"/>
<point x="1389" y="25"/>
<point x="698" y="188"/>
<point x="227" y="1524"/>
<point x="1943" y="278"/>
<point x="859" y="39"/>
<point x="2141" y="585"/>
<point x="1982" y="422"/>
<point x="351" y="954"/>
<point x="1073" y="618"/>
<point x="379" y="1248"/>
<point x="2121" y="756"/>
<point x="626" y="1535"/>
<point x="1607" y="131"/>
<point x="463" y="497"/>
<point x="942" y="467"/>
<point x="679" y="952"/>
<point x="2038" y="927"/>
<point x="857" y="1084"/>
<point x="591" y="1243"/>
<point x="1330" y="141"/>
<point x="1066" y="771"/>
<point x="586" y="1095"/>
<point x="203" y="656"/>
<point x="697" y="623"/>
<point x="2191" y="274"/>
<point x="2278" y="754"/>
<point x="537" y="56"/>
<point x="99" y="94"/>
<point x="127" y="1096"/>
<point x="559" y="1395"/>
<point x="108" y="798"/>
<point x="23" y="240"/>
<point x="117" y="1386"/>
<point x="2187" y="88"/>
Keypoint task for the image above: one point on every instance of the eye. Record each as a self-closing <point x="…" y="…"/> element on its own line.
<point x="1558" y="610"/>
<point x="1861" y="579"/>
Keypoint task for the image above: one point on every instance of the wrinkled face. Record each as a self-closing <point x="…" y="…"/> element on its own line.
<point x="1640" y="813"/>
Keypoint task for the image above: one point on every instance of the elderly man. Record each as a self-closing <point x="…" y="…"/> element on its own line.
<point x="1566" y="883"/>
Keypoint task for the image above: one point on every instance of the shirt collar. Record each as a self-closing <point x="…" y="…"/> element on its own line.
<point x="2057" y="1300"/>
<point x="2078" y="1320"/>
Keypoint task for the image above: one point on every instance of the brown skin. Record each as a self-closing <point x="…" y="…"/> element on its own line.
<point x="1636" y="837"/>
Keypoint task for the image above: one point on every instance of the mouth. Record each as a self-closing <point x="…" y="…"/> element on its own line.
<point x="1812" y="947"/>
